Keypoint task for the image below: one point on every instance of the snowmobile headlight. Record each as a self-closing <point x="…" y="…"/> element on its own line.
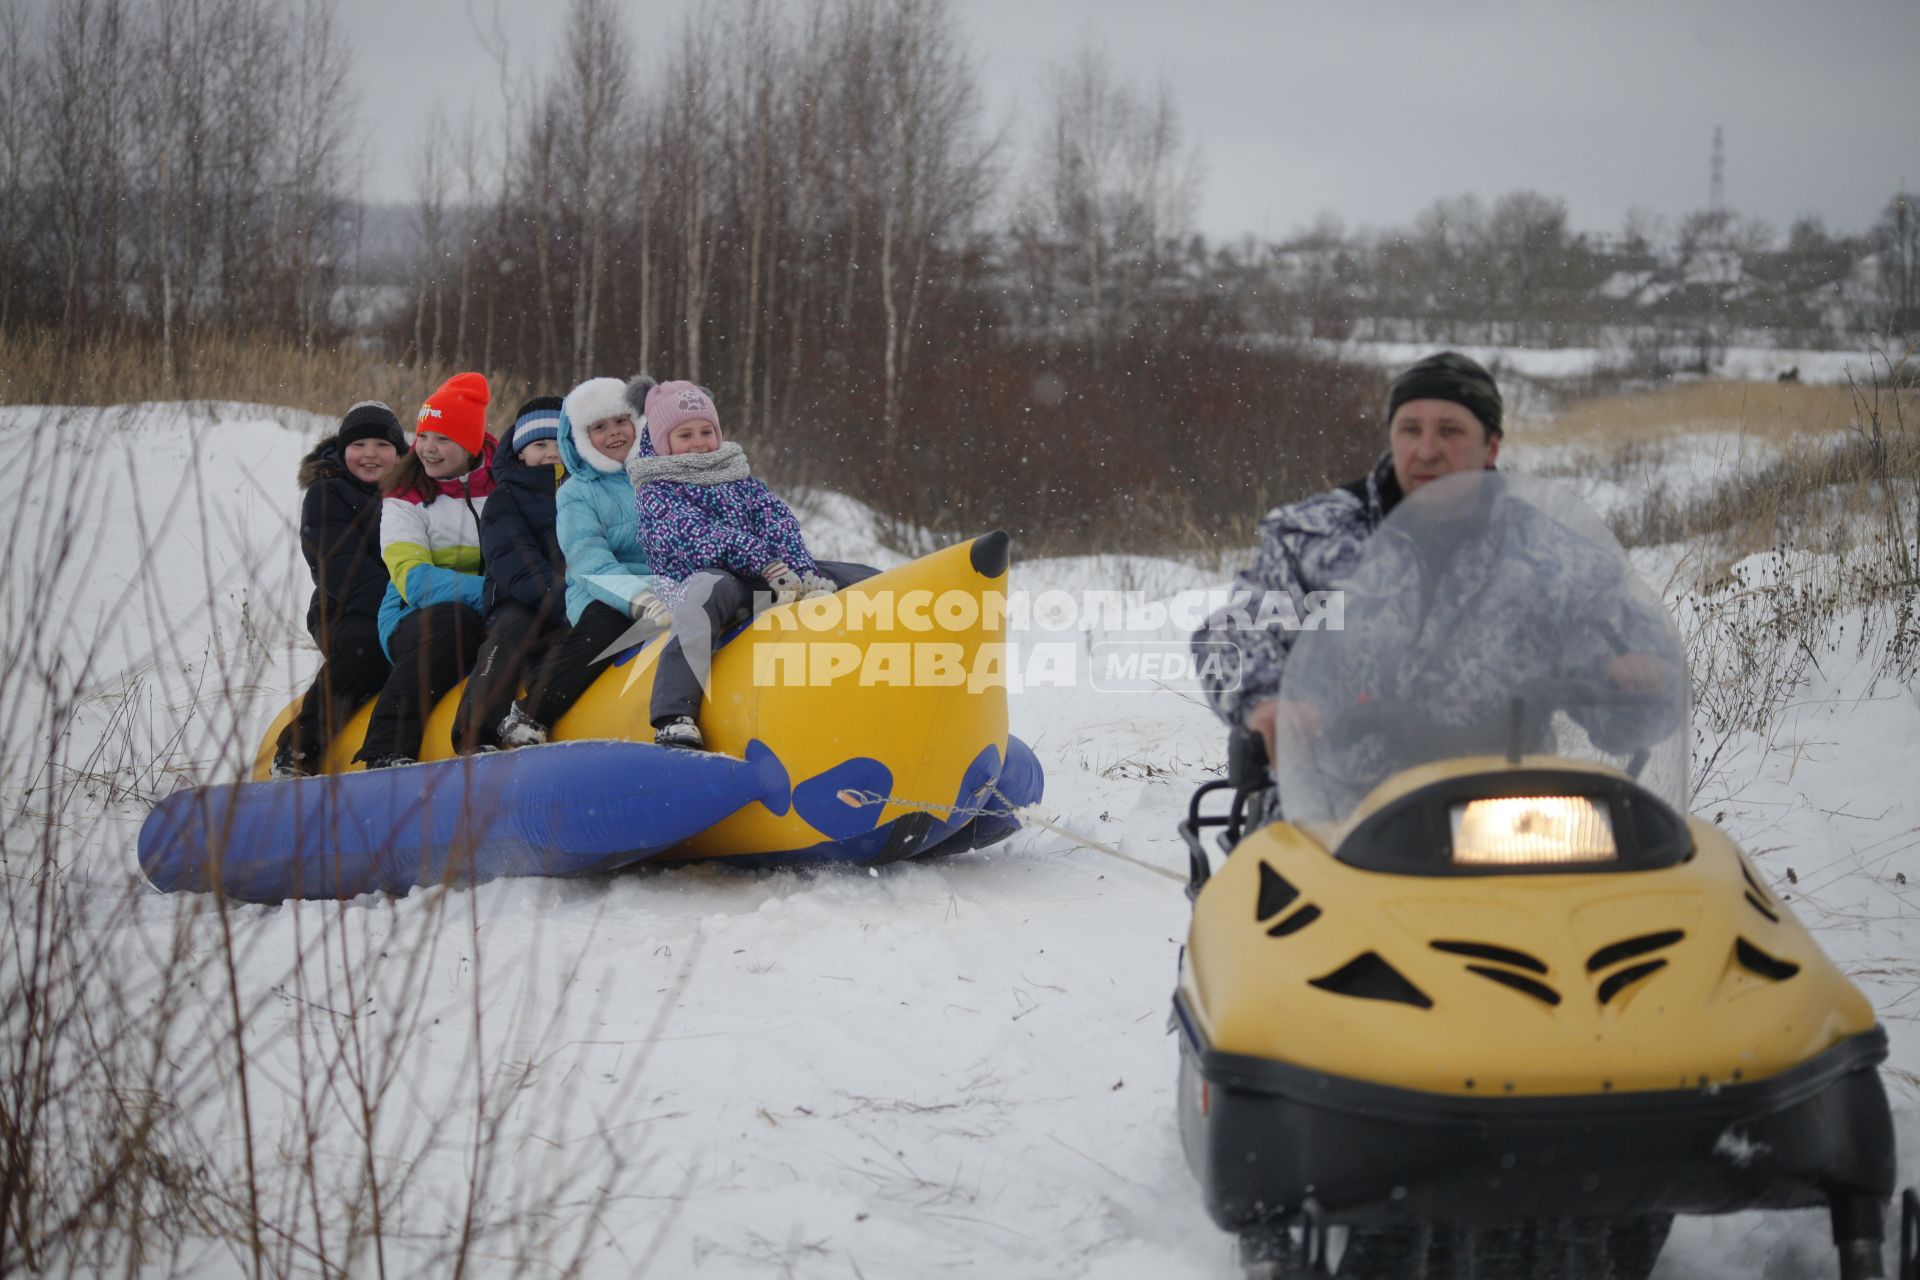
<point x="1520" y="831"/>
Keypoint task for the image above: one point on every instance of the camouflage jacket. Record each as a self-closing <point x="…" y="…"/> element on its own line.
<point x="1453" y="617"/>
<point x="1465" y="636"/>
<point x="1305" y="547"/>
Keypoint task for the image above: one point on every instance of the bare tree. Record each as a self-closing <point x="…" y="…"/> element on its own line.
<point x="644" y="164"/>
<point x="70" y="125"/>
<point x="1451" y="269"/>
<point x="752" y="104"/>
<point x="1538" y="267"/>
<point x="852" y="121"/>
<point x="1896" y="241"/>
<point x="247" y="122"/>
<point x="1803" y="287"/>
<point x="1642" y="232"/>
<point x="318" y="123"/>
<point x="1112" y="187"/>
<point x="687" y="137"/>
<point x="431" y="178"/>
<point x="17" y="76"/>
<point x="935" y="172"/>
<point x="194" y="155"/>
<point x="493" y="38"/>
<point x="590" y="103"/>
<point x="471" y="158"/>
<point x="540" y="182"/>
<point x="1310" y="281"/>
<point x="110" y="93"/>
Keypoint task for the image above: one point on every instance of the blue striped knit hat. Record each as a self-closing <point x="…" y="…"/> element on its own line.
<point x="538" y="419"/>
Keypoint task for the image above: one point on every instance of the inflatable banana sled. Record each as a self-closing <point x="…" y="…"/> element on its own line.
<point x="867" y="726"/>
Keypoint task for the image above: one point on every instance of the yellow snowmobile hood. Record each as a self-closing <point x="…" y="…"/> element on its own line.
<point x="1690" y="975"/>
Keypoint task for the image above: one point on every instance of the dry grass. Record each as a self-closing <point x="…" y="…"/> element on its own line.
<point x="1809" y="498"/>
<point x="1812" y="494"/>
<point x="1814" y="552"/>
<point x="1804" y="539"/>
<point x="48" y="369"/>
<point x="1773" y="411"/>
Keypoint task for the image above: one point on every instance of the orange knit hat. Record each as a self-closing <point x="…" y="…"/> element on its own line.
<point x="458" y="411"/>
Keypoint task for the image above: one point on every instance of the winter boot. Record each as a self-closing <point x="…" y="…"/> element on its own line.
<point x="389" y="762"/>
<point x="518" y="729"/>
<point x="680" y="732"/>
<point x="287" y="765"/>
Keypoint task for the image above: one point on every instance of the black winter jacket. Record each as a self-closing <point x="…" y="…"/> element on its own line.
<point x="340" y="537"/>
<point x="517" y="540"/>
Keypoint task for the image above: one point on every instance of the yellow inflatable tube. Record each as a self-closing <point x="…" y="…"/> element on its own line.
<point x="906" y="671"/>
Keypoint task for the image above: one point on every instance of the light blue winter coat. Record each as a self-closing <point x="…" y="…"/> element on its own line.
<point x="598" y="527"/>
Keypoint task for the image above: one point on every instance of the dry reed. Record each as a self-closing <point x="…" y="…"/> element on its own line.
<point x="1773" y="411"/>
<point x="46" y="368"/>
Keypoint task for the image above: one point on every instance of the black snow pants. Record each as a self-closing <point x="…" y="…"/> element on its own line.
<point x="518" y="640"/>
<point x="432" y="648"/>
<point x="352" y="669"/>
<point x="578" y="660"/>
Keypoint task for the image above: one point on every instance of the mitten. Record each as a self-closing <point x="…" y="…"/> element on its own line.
<point x="813" y="585"/>
<point x="786" y="584"/>
<point x="648" y="607"/>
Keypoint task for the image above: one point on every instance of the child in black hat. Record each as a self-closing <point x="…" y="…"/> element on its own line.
<point x="340" y="537"/>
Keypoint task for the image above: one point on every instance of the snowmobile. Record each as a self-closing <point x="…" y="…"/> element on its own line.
<point x="1470" y="995"/>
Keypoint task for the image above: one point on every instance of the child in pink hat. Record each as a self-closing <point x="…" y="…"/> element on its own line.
<point x="717" y="532"/>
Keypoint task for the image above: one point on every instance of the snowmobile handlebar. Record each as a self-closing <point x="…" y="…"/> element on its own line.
<point x="1247" y="776"/>
<point x="1412" y="736"/>
<point x="1247" y="761"/>
<point x="1199" y="865"/>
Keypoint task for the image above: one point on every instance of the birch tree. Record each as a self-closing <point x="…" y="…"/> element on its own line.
<point x="1112" y="186"/>
<point x="591" y="106"/>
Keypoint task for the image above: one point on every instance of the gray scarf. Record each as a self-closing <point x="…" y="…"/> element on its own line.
<point x="728" y="462"/>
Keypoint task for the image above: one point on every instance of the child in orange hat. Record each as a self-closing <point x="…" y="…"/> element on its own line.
<point x="430" y="620"/>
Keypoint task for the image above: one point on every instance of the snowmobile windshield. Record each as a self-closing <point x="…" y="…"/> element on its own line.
<point x="1489" y="616"/>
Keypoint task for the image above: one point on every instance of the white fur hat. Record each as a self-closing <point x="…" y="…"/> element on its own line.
<point x="595" y="400"/>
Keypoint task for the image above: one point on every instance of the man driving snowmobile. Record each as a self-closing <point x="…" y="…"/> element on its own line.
<point x="1444" y="419"/>
<point x="1484" y="608"/>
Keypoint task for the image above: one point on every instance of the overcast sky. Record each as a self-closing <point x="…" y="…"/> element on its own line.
<point x="1369" y="108"/>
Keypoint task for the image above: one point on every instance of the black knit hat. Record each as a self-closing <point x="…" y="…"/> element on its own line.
<point x="1449" y="375"/>
<point x="371" y="420"/>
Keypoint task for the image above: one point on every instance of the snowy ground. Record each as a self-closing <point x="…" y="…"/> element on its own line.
<point x="959" y="1068"/>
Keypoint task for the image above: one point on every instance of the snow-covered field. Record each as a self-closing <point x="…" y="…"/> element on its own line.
<point x="1736" y="363"/>
<point x="953" y="1069"/>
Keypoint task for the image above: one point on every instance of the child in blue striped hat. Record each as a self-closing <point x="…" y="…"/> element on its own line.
<point x="536" y="436"/>
<point x="526" y="590"/>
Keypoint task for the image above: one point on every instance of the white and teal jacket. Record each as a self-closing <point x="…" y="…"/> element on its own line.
<point x="431" y="546"/>
<point x="599" y="528"/>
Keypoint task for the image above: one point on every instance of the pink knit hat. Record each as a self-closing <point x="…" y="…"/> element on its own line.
<point x="672" y="403"/>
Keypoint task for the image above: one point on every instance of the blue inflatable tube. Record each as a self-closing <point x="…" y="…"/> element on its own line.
<point x="568" y="808"/>
<point x="564" y="809"/>
<point x="980" y="815"/>
<point x="1021" y="782"/>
